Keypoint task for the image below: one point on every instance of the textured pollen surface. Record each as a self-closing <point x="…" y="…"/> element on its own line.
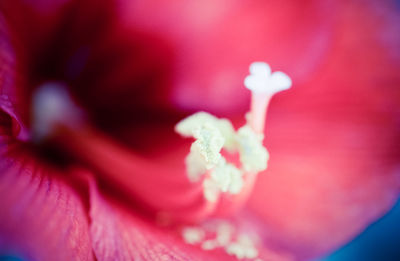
<point x="227" y="177"/>
<point x="224" y="236"/>
<point x="253" y="154"/>
<point x="209" y="142"/>
<point x="213" y="134"/>
<point x="205" y="160"/>
<point x="195" y="121"/>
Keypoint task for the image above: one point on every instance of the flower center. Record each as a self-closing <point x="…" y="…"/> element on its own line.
<point x="158" y="190"/>
<point x="189" y="195"/>
<point x="212" y="135"/>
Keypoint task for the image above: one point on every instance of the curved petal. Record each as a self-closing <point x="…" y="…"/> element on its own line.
<point x="41" y="218"/>
<point x="9" y="78"/>
<point x="334" y="164"/>
<point x="215" y="41"/>
<point x="113" y="72"/>
<point x="149" y="55"/>
<point x="26" y="31"/>
<point x="120" y="235"/>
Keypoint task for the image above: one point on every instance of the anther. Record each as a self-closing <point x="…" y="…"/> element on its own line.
<point x="212" y="135"/>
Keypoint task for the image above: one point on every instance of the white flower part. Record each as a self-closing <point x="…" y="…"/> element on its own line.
<point x="253" y="155"/>
<point x="210" y="190"/>
<point x="242" y="248"/>
<point x="208" y="144"/>
<point x="259" y="68"/>
<point x="187" y="126"/>
<point x="209" y="244"/>
<point x="236" y="183"/>
<point x="193" y="235"/>
<point x="261" y="80"/>
<point x="220" y="176"/>
<point x="195" y="165"/>
<point x="224" y="178"/>
<point x="52" y="105"/>
<point x="228" y="132"/>
<point x="211" y="136"/>
<point x="204" y="153"/>
<point x="224" y="233"/>
<point x="227" y="177"/>
<point x="227" y="238"/>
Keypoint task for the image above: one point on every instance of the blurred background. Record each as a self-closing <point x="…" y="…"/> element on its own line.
<point x="380" y="241"/>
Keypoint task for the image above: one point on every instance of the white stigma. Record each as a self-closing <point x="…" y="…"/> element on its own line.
<point x="263" y="85"/>
<point x="261" y="80"/>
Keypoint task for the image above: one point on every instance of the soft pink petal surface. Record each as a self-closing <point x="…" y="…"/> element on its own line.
<point x="120" y="235"/>
<point x="42" y="218"/>
<point x="334" y="163"/>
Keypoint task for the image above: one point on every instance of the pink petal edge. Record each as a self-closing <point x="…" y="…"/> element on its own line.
<point x="42" y="218"/>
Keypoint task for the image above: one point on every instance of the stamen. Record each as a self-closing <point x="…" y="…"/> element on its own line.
<point x="213" y="134"/>
<point x="193" y="235"/>
<point x="209" y="245"/>
<point x="227" y="177"/>
<point x="242" y="248"/>
<point x="208" y="144"/>
<point x="189" y="125"/>
<point x="195" y="166"/>
<point x="224" y="233"/>
<point x="253" y="154"/>
<point x="224" y="236"/>
<point x="211" y="190"/>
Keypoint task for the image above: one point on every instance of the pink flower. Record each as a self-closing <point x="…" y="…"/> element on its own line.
<point x="138" y="67"/>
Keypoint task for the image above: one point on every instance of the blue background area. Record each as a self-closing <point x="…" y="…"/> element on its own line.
<point x="380" y="241"/>
<point x="10" y="258"/>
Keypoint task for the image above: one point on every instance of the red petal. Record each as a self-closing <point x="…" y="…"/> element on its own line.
<point x="113" y="72"/>
<point x="41" y="218"/>
<point x="215" y="41"/>
<point x="26" y="32"/>
<point x="120" y="235"/>
<point x="8" y="80"/>
<point x="347" y="110"/>
<point x="334" y="142"/>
